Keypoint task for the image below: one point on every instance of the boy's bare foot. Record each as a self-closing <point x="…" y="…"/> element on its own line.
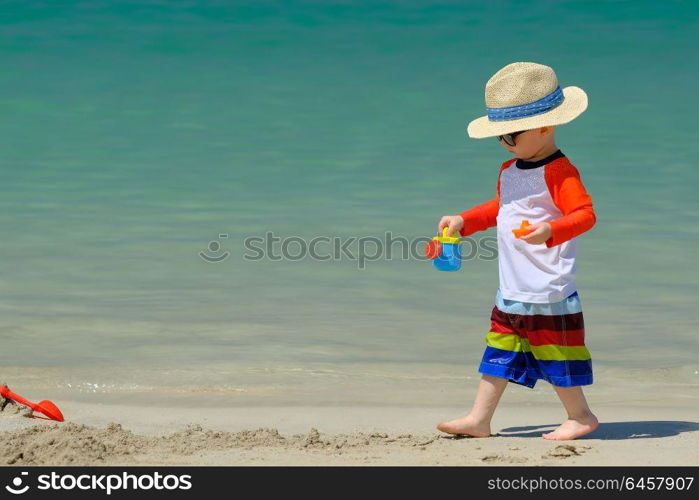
<point x="573" y="428"/>
<point x="467" y="426"/>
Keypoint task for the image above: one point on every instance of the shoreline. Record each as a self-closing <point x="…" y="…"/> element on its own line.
<point x="119" y="434"/>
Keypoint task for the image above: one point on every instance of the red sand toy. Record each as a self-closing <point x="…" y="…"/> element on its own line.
<point x="46" y="407"/>
<point x="523" y="229"/>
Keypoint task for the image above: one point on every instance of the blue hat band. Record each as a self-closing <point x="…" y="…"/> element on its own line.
<point x="543" y="105"/>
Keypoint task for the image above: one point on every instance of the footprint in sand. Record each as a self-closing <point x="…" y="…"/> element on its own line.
<point x="503" y="459"/>
<point x="566" y="451"/>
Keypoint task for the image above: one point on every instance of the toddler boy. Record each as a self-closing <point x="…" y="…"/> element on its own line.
<point x="537" y="329"/>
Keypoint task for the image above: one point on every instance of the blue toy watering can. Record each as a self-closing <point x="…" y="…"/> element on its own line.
<point x="445" y="252"/>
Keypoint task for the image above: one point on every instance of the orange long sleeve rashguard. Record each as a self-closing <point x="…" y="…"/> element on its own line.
<point x="567" y="192"/>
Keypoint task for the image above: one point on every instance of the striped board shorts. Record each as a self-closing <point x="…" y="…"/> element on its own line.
<point x="529" y="341"/>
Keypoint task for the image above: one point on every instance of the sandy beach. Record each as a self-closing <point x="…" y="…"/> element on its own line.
<point x="653" y="422"/>
<point x="98" y="434"/>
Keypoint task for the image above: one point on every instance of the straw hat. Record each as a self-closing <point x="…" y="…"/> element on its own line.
<point x="523" y="96"/>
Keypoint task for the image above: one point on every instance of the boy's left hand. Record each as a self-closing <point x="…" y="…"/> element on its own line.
<point x="541" y="232"/>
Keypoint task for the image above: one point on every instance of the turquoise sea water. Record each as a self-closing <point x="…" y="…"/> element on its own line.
<point x="135" y="133"/>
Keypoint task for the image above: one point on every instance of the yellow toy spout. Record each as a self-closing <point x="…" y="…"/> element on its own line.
<point x="447" y="239"/>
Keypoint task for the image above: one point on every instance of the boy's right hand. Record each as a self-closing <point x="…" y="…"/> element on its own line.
<point x="453" y="222"/>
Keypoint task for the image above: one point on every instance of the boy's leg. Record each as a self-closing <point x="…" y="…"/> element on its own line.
<point x="477" y="422"/>
<point x="580" y="421"/>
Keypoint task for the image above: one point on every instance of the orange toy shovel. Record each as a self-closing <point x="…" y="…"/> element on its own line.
<point x="46" y="407"/>
<point x="523" y="229"/>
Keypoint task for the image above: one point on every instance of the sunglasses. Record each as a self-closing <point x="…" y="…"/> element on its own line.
<point x="510" y="138"/>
